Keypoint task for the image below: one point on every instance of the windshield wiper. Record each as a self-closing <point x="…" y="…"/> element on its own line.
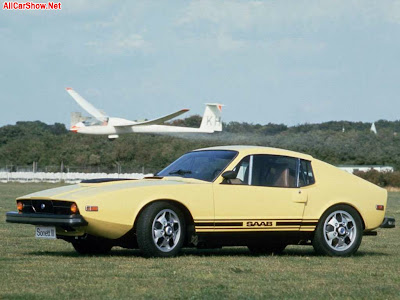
<point x="180" y="172"/>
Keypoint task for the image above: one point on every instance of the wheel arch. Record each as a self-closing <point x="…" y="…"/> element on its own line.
<point x="347" y="204"/>
<point x="189" y="221"/>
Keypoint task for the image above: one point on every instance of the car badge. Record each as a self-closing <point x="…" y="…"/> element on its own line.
<point x="43" y="206"/>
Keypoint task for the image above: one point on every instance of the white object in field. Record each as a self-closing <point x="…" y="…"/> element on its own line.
<point x="71" y="177"/>
<point x="113" y="127"/>
<point x="365" y="168"/>
<point x="373" y="128"/>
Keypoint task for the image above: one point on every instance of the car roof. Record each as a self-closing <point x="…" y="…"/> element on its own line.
<point x="246" y="150"/>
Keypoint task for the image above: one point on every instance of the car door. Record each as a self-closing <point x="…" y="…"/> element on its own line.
<point x="264" y="197"/>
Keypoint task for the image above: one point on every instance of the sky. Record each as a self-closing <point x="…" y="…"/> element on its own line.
<point x="289" y="62"/>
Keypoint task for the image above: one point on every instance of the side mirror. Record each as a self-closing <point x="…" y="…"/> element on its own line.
<point x="228" y="175"/>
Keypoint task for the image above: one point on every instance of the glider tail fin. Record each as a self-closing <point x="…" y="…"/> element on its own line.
<point x="76" y="117"/>
<point x="212" y="118"/>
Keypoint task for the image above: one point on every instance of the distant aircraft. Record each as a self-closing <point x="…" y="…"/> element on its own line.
<point x="101" y="124"/>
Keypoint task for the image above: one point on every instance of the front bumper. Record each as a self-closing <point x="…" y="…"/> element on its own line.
<point x="388" y="222"/>
<point x="46" y="219"/>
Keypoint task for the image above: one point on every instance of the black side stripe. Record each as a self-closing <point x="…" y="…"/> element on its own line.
<point x="219" y="224"/>
<point x="288" y="223"/>
<point x="222" y="220"/>
<point x="261" y="228"/>
<point x="296" y="223"/>
<point x="231" y="224"/>
<point x="309" y="224"/>
<point x="204" y="224"/>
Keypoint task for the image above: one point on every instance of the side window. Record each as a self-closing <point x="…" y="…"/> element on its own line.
<point x="274" y="171"/>
<point x="242" y="170"/>
<point x="306" y="176"/>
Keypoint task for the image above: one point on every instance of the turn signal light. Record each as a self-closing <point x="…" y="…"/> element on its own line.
<point x="92" y="208"/>
<point x="20" y="206"/>
<point x="74" y="208"/>
<point x="380" y="207"/>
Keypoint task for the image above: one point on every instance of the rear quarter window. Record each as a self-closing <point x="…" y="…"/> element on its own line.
<point x="306" y="174"/>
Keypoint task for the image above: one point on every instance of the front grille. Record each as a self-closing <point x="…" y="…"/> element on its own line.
<point x="43" y="206"/>
<point x="47" y="206"/>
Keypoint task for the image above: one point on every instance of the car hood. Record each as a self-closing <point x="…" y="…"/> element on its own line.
<point x="76" y="191"/>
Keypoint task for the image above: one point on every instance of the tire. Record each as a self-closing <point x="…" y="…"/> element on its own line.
<point x="339" y="232"/>
<point x="267" y="250"/>
<point x="160" y="230"/>
<point x="92" y="245"/>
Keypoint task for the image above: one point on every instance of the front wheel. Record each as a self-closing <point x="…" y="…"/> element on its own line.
<point x="160" y="230"/>
<point x="339" y="232"/>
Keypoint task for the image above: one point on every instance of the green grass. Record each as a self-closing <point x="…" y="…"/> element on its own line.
<point x="42" y="269"/>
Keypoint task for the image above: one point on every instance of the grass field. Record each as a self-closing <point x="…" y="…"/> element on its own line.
<point x="40" y="269"/>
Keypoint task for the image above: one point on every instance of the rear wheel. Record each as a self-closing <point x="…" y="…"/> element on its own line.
<point x="339" y="232"/>
<point x="160" y="230"/>
<point x="92" y="245"/>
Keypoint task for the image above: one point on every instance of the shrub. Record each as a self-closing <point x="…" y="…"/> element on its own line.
<point x="383" y="179"/>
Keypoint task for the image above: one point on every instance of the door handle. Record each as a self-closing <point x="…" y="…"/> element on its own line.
<point x="300" y="197"/>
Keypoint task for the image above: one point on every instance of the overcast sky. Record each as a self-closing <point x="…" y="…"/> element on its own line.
<point x="287" y="62"/>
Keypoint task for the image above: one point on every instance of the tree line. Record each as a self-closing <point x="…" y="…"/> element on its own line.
<point x="28" y="142"/>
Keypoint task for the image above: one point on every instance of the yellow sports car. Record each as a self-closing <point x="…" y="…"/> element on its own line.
<point x="263" y="198"/>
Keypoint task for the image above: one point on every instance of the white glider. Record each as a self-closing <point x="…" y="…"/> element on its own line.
<point x="113" y="127"/>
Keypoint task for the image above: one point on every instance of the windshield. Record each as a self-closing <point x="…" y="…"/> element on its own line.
<point x="204" y="165"/>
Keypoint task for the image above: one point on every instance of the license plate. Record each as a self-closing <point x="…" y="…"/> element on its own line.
<point x="45" y="232"/>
